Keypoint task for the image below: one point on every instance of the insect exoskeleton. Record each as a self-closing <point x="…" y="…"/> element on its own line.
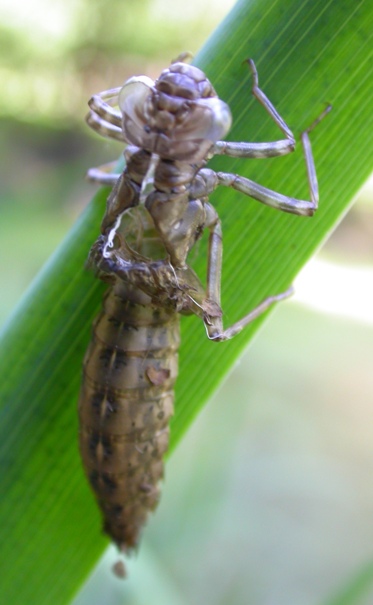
<point x="157" y="210"/>
<point x="125" y="406"/>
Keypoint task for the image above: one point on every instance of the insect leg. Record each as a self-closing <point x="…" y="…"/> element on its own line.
<point x="103" y="127"/>
<point x="102" y="105"/>
<point x="213" y="322"/>
<point x="273" y="198"/>
<point x="184" y="57"/>
<point x="103" y="175"/>
<point x="216" y="332"/>
<point x="103" y="118"/>
<point x="260" y="150"/>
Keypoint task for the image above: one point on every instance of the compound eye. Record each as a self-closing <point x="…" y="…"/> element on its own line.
<point x="133" y="95"/>
<point x="221" y="118"/>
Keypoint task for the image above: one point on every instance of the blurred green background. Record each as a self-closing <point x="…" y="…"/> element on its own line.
<point x="268" y="499"/>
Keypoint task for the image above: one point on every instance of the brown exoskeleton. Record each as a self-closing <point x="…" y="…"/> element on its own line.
<point x="172" y="127"/>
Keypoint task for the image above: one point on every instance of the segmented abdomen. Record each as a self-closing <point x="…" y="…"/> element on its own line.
<point x="125" y="405"/>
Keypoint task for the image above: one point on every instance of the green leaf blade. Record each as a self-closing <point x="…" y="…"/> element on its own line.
<point x="307" y="54"/>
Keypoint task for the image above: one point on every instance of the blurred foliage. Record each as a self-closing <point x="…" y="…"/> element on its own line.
<point x="57" y="51"/>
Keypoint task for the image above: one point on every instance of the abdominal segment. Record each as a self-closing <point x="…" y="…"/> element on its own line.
<point x="125" y="405"/>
